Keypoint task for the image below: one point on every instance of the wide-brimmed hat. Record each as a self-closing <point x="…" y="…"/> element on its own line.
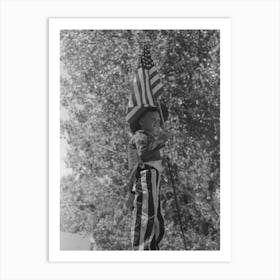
<point x="134" y="125"/>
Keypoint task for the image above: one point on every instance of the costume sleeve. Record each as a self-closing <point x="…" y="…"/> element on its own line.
<point x="142" y="146"/>
<point x="141" y="143"/>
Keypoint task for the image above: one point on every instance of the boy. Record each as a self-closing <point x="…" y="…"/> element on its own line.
<point x="145" y="164"/>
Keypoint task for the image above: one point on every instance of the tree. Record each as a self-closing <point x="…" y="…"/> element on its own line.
<point x="96" y="71"/>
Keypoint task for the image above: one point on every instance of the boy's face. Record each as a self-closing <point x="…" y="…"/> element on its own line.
<point x="150" y="122"/>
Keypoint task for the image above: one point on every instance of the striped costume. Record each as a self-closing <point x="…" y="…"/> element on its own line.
<point x="147" y="227"/>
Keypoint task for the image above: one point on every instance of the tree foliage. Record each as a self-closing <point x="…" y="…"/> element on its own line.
<point x="97" y="67"/>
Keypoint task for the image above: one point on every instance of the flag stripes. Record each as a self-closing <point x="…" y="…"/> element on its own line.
<point x="147" y="86"/>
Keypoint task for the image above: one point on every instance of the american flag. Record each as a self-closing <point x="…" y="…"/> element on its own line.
<point x="147" y="87"/>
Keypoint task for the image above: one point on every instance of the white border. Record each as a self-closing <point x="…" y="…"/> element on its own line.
<point x="55" y="255"/>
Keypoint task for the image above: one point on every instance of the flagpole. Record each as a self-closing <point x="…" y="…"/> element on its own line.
<point x="174" y="189"/>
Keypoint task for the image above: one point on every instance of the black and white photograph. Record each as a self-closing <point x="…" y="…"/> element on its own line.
<point x="140" y="139"/>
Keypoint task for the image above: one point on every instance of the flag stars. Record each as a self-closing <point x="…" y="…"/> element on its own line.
<point x="146" y="60"/>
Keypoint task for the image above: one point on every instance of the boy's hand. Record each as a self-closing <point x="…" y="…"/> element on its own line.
<point x="163" y="136"/>
<point x="165" y="161"/>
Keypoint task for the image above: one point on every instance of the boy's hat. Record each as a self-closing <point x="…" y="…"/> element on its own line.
<point x="134" y="125"/>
